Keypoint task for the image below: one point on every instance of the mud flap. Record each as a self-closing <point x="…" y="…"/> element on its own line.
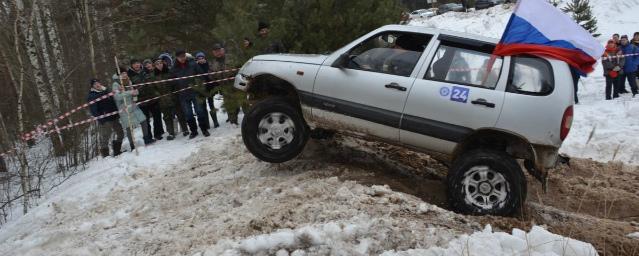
<point x="540" y="175"/>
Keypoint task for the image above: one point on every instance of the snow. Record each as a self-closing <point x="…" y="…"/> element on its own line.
<point x="536" y="242"/>
<point x="602" y="130"/>
<point x="634" y="235"/>
<point x="353" y="239"/>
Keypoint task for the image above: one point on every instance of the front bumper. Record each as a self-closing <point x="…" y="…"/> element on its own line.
<point x="241" y="82"/>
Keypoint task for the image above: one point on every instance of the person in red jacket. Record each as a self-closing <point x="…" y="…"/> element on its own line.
<point x="613" y="62"/>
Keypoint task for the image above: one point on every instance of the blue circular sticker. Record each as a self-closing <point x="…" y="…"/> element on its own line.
<point x="444" y="91"/>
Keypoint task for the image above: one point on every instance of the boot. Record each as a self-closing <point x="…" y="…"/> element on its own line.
<point x="193" y="135"/>
<point x="206" y="133"/>
<point x="117" y="148"/>
<point x="104" y="152"/>
<point x="170" y="137"/>
<point x="149" y="141"/>
<point x="216" y="124"/>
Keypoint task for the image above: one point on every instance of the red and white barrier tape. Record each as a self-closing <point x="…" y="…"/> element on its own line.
<point x="52" y="122"/>
<point x="619" y="56"/>
<point x="93" y="119"/>
<point x="181" y="78"/>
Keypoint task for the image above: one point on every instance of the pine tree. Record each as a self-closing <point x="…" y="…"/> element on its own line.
<point x="582" y="13"/>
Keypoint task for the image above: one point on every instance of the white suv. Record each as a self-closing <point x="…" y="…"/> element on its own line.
<point x="434" y="91"/>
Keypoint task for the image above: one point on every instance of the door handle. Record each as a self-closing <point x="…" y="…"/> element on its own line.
<point x="483" y="102"/>
<point x="395" y="86"/>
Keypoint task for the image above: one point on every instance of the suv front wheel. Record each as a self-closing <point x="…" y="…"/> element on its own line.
<point x="274" y="130"/>
<point x="484" y="182"/>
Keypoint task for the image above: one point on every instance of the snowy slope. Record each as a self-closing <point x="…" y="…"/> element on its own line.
<point x="615" y="123"/>
<point x="211" y="197"/>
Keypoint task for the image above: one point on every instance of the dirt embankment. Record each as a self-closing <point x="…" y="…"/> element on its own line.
<point x="586" y="200"/>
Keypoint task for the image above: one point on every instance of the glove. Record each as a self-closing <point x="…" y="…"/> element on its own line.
<point x="616" y="68"/>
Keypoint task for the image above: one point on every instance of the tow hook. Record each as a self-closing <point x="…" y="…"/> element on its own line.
<point x="541" y="176"/>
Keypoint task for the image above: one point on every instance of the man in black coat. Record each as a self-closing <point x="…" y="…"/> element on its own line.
<point x="264" y="43"/>
<point x="184" y="67"/>
<point x="107" y="125"/>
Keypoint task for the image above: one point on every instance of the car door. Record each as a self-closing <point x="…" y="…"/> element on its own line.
<point x="365" y="90"/>
<point x="461" y="89"/>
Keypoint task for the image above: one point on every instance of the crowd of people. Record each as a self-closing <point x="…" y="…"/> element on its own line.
<point x="191" y="106"/>
<point x="621" y="63"/>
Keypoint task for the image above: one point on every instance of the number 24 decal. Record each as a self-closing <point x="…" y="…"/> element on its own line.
<point x="459" y="94"/>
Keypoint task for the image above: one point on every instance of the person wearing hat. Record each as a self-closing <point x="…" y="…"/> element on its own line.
<point x="136" y="72"/>
<point x="188" y="99"/>
<point x="151" y="109"/>
<point x="168" y="63"/>
<point x="613" y="63"/>
<point x="206" y="93"/>
<point x="107" y="126"/>
<point x="630" y="67"/>
<point x="166" y="104"/>
<point x="264" y="44"/>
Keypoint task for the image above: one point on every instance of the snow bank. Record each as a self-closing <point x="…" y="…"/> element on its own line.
<point x="602" y="130"/>
<point x="537" y="242"/>
<point x="355" y="238"/>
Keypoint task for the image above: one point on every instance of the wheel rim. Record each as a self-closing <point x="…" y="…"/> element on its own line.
<point x="276" y="130"/>
<point x="485" y="188"/>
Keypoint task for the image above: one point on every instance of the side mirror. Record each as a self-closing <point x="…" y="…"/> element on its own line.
<point x="342" y="61"/>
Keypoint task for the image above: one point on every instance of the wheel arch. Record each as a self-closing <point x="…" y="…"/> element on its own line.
<point x="513" y="144"/>
<point x="268" y="85"/>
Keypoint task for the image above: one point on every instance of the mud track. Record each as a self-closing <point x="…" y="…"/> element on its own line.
<point x="586" y="200"/>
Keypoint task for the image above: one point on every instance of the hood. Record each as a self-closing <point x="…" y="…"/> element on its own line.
<point x="315" y="59"/>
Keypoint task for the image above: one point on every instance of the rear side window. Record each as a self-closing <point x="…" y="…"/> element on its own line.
<point x="531" y="75"/>
<point x="466" y="66"/>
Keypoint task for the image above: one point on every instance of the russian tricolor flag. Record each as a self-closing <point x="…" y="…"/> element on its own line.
<point x="538" y="28"/>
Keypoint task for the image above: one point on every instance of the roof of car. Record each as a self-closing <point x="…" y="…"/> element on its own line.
<point x="421" y="29"/>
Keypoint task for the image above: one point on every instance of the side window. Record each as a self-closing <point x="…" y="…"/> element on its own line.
<point x="467" y="66"/>
<point x="394" y="53"/>
<point x="531" y="75"/>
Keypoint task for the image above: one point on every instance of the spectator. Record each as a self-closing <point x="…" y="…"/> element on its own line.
<point x="130" y="114"/>
<point x="107" y="126"/>
<point x="615" y="37"/>
<point x="184" y="67"/>
<point x="233" y="98"/>
<point x="151" y="109"/>
<point x="613" y="63"/>
<point x="635" y="39"/>
<point x="247" y="50"/>
<point x="207" y="92"/>
<point x="264" y="44"/>
<point x="135" y="72"/>
<point x="167" y="61"/>
<point x="166" y="103"/>
<point x="630" y="67"/>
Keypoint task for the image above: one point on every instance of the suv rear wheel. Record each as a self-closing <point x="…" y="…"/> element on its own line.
<point x="486" y="182"/>
<point x="274" y="130"/>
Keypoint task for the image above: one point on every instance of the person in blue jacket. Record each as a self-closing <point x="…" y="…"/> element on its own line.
<point x="630" y="67"/>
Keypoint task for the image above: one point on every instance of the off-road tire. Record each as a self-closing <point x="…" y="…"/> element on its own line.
<point x="250" y="126"/>
<point x="498" y="162"/>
